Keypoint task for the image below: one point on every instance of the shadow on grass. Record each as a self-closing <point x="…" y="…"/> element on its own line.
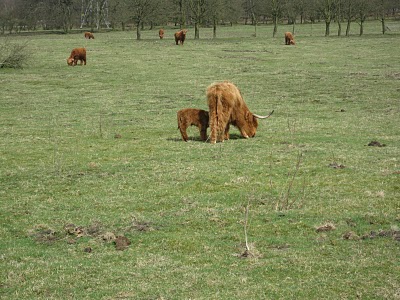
<point x="198" y="139"/>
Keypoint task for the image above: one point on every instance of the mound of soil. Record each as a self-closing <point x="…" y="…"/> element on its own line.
<point x="336" y="166"/>
<point x="121" y="243"/>
<point x="376" y="144"/>
<point x="325" y="227"/>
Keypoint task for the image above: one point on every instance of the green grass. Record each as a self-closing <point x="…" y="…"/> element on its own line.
<point x="98" y="146"/>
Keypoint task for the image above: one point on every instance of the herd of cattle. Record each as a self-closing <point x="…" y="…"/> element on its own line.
<point x="225" y="102"/>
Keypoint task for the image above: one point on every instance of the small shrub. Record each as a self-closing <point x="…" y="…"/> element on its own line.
<point x="13" y="55"/>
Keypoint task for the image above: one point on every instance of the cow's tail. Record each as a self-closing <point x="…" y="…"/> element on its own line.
<point x="216" y="117"/>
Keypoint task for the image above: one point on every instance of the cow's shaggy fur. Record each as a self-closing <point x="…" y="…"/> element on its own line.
<point x="192" y="116"/>
<point x="289" y="39"/>
<point x="89" y="35"/>
<point x="77" y="54"/>
<point x="180" y="36"/>
<point x="161" y="33"/>
<point x="226" y="106"/>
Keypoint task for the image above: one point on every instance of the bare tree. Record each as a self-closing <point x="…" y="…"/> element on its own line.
<point x="198" y="10"/>
<point x="232" y="11"/>
<point x="327" y="10"/>
<point x="382" y="7"/>
<point x="363" y="9"/>
<point x="181" y="13"/>
<point x="215" y="9"/>
<point x="276" y="10"/>
<point x="338" y="15"/>
<point x="349" y="13"/>
<point x="141" y="9"/>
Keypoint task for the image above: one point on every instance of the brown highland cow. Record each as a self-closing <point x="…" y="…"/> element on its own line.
<point x="192" y="116"/>
<point x="89" y="35"/>
<point x="289" y="39"/>
<point x="226" y="106"/>
<point x="77" y="54"/>
<point x="180" y="36"/>
<point x="161" y="33"/>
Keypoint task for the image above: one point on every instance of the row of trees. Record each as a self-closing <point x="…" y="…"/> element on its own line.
<point x="17" y="15"/>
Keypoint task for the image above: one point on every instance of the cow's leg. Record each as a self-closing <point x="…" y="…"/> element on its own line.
<point x="213" y="135"/>
<point x="184" y="135"/>
<point x="203" y="132"/>
<point x="226" y="134"/>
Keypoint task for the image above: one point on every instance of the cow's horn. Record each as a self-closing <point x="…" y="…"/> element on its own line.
<point x="263" y="117"/>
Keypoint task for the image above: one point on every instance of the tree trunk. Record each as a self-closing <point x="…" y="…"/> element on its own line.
<point x="275" y="26"/>
<point x="196" y="31"/>
<point x="327" y="26"/>
<point x="339" y="33"/>
<point x="215" y="29"/>
<point x="138" y="32"/>
<point x="361" y="27"/>
<point x="348" y="27"/>
<point x="383" y="24"/>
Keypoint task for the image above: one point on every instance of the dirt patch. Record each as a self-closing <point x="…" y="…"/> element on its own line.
<point x="43" y="234"/>
<point x="350" y="235"/>
<point x="140" y="225"/>
<point x="281" y="247"/>
<point x="325" y="227"/>
<point x="395" y="234"/>
<point x="121" y="243"/>
<point x="376" y="144"/>
<point x="335" y="165"/>
<point x="92" y="230"/>
<point x="108" y="237"/>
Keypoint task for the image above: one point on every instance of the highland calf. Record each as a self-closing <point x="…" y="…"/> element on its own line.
<point x="289" y="39"/>
<point x="180" y="36"/>
<point x="77" y="54"/>
<point x="192" y="116"/>
<point x="226" y="106"/>
<point x="161" y="33"/>
<point x="89" y="35"/>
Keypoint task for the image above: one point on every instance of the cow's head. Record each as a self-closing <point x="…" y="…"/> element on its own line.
<point x="252" y="123"/>
<point x="292" y="42"/>
<point x="70" y="61"/>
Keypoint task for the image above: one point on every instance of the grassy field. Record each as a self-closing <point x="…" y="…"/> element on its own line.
<point x="91" y="153"/>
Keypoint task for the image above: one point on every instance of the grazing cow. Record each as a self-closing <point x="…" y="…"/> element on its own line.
<point x="77" y="54"/>
<point x="89" y="35"/>
<point x="226" y="106"/>
<point x="289" y="39"/>
<point x="180" y="36"/>
<point x="161" y="33"/>
<point x="192" y="116"/>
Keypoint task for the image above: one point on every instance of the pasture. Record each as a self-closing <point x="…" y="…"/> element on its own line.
<point x="88" y="153"/>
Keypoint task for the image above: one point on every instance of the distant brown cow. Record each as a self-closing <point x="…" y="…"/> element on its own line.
<point x="77" y="54"/>
<point x="192" y="116"/>
<point x="226" y="106"/>
<point x="89" y="35"/>
<point x="180" y="36"/>
<point x="161" y="33"/>
<point x="289" y="39"/>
